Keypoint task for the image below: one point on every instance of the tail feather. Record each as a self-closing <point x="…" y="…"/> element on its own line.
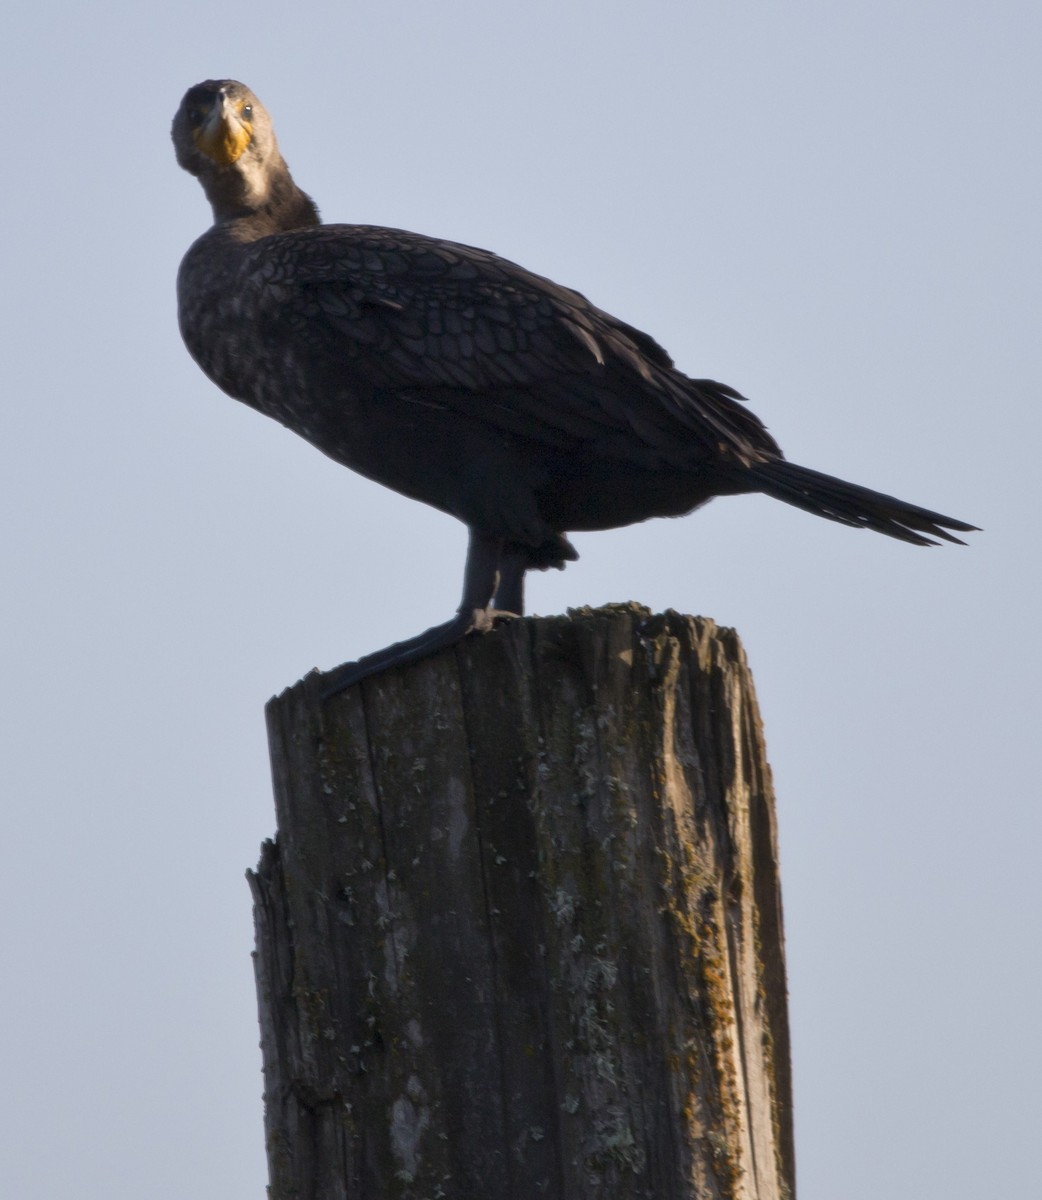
<point x="851" y="504"/>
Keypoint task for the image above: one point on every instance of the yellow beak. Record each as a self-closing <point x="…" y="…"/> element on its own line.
<point x="224" y="135"/>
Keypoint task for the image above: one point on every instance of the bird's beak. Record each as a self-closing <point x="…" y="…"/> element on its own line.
<point x="225" y="133"/>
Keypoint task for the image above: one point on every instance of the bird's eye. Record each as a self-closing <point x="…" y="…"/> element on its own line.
<point x="195" y="116"/>
<point x="247" y="111"/>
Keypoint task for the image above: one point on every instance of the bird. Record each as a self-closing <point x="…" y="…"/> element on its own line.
<point x="462" y="380"/>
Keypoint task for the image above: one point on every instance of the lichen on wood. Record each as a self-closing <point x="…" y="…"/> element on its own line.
<point x="520" y="933"/>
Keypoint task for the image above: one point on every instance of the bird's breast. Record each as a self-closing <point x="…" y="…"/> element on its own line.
<point x="230" y="327"/>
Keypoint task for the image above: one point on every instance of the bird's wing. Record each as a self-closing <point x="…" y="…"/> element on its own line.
<point x="480" y="335"/>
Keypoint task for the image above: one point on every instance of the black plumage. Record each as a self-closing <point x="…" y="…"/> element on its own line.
<point x="461" y="379"/>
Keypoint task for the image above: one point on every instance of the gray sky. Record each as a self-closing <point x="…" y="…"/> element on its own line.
<point x="834" y="208"/>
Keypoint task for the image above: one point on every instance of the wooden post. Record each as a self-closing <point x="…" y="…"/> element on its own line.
<point x="520" y="932"/>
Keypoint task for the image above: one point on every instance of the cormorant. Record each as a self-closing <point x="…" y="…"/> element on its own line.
<point x="460" y="379"/>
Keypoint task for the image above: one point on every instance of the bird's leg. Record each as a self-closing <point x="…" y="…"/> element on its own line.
<point x="475" y="613"/>
<point x="510" y="585"/>
<point x="481" y="580"/>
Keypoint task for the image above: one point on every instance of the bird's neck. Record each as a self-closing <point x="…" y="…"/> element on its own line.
<point x="260" y="201"/>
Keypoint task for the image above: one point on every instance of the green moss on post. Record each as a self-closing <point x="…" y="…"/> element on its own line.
<point x="519" y="934"/>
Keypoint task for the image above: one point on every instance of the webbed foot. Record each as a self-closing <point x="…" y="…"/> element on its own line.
<point x="438" y="637"/>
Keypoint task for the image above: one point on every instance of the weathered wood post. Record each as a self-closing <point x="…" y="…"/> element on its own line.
<point x="520" y="932"/>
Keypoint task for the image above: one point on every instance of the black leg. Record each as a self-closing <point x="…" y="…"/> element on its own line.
<point x="475" y="614"/>
<point x="510" y="586"/>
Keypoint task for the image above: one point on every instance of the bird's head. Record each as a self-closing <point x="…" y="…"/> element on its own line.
<point x="223" y="135"/>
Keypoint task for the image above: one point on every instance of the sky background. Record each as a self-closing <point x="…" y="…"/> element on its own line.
<point x="834" y="207"/>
